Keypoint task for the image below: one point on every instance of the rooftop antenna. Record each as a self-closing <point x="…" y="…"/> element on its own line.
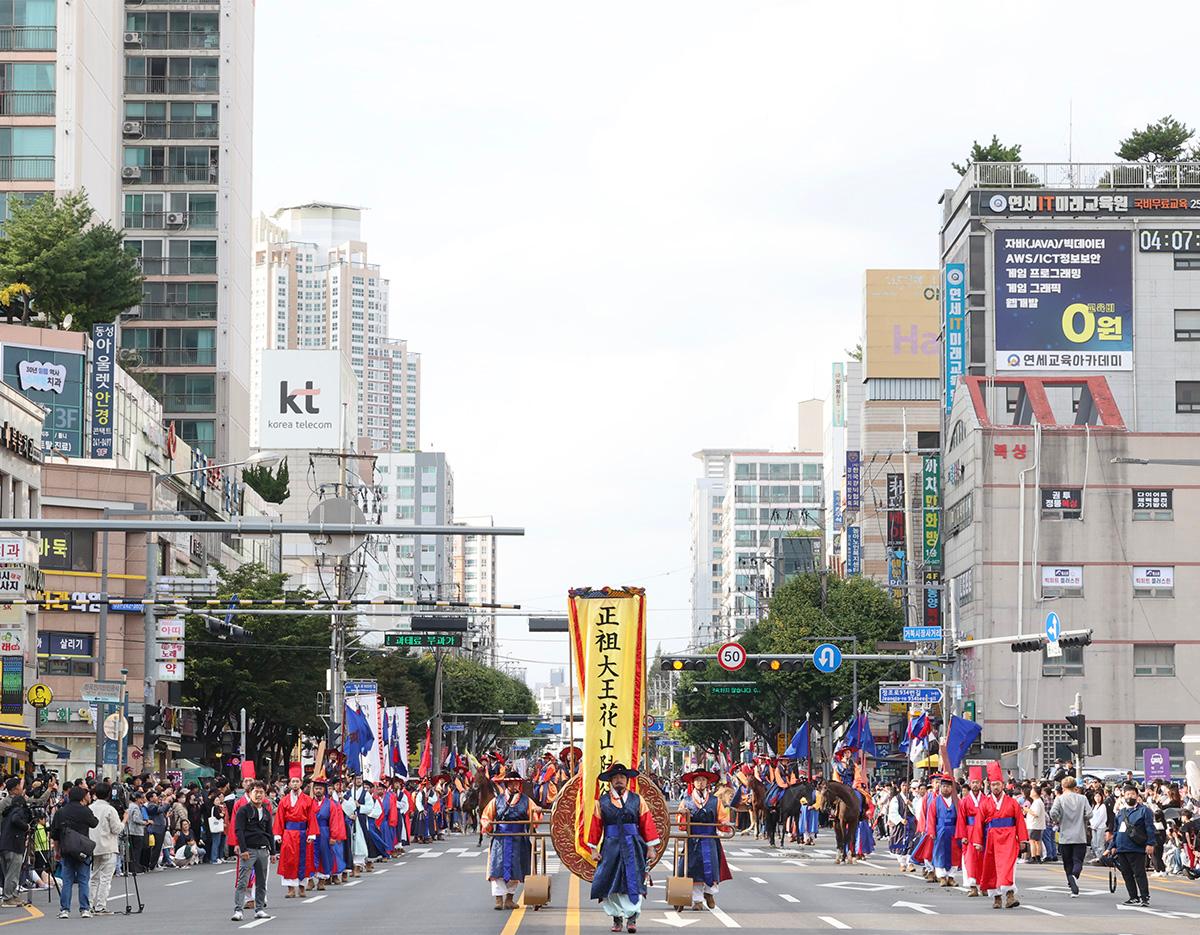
<point x="1071" y="140"/>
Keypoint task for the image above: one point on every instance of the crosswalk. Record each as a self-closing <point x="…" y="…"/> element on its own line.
<point x="428" y="853"/>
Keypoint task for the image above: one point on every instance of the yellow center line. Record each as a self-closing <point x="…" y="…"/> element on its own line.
<point x="514" y="920"/>
<point x="33" y="913"/>
<point x="572" y="924"/>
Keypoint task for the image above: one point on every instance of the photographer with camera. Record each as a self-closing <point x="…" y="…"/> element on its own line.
<point x="15" y="818"/>
<point x="71" y="830"/>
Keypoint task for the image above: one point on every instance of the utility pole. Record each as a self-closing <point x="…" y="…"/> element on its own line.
<point x="102" y="653"/>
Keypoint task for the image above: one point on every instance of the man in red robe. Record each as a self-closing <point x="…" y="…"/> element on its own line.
<point x="997" y="835"/>
<point x="295" y="828"/>
<point x="968" y="817"/>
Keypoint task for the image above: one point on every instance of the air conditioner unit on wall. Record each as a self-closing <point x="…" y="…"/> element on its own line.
<point x="132" y="128"/>
<point x="131" y="172"/>
<point x="176" y="219"/>
<point x="133" y="38"/>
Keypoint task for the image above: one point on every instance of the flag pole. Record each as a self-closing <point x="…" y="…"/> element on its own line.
<point x="571" y="706"/>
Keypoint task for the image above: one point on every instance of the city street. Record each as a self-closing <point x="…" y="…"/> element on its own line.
<point x="442" y="889"/>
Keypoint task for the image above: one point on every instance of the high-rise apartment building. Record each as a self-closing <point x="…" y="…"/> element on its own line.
<point x="60" y="101"/>
<point x="475" y="581"/>
<point x="764" y="496"/>
<point x="186" y="123"/>
<point x="314" y="288"/>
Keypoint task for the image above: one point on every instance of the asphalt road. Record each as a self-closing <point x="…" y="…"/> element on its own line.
<point x="442" y="890"/>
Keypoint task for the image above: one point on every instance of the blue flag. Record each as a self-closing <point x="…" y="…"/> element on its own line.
<point x="798" y="748"/>
<point x="960" y="735"/>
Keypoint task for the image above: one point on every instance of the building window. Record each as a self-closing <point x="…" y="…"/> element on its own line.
<point x="958" y="434"/>
<point x="964" y="586"/>
<point x="959" y="515"/>
<point x="1070" y="663"/>
<point x="1150" y="736"/>
<point x="1187" y="395"/>
<point x="1154" y="660"/>
<point x="1187" y="324"/>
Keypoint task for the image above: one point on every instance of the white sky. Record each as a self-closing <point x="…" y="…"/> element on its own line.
<point x="620" y="232"/>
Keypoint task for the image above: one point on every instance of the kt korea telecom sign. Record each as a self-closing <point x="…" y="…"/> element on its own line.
<point x="301" y="404"/>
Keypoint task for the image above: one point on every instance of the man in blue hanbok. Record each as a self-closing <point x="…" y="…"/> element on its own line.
<point x="621" y="833"/>
<point x="702" y="816"/>
<point x="331" y="832"/>
<point x="509" y="818"/>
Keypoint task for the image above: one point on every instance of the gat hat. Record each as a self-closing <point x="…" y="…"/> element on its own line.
<point x="510" y="775"/>
<point x="565" y="754"/>
<point x="617" y="769"/>
<point x="975" y="774"/>
<point x="695" y="774"/>
<point x="994" y="773"/>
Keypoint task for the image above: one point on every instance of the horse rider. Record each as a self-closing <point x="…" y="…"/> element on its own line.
<point x="702" y="816"/>
<point x="546" y="781"/>
<point x="510" y="816"/>
<point x="570" y="757"/>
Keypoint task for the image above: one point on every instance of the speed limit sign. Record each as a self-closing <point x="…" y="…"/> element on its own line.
<point x="731" y="657"/>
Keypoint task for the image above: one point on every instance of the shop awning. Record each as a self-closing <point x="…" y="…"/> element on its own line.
<point x="46" y="746"/>
<point x="16" y="753"/>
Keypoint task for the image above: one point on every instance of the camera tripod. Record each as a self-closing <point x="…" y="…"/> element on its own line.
<point x="32" y="853"/>
<point x="129" y="862"/>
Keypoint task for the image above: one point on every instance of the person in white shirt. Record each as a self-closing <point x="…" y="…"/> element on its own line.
<point x="107" y="835"/>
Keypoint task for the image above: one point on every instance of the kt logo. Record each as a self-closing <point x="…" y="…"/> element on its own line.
<point x="287" y="399"/>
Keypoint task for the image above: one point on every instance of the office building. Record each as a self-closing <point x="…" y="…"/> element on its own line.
<point x="1045" y="268"/>
<point x="186" y="125"/>
<point x="474" y="562"/>
<point x="840" y="417"/>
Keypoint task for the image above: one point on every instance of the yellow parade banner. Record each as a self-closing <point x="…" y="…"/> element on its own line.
<point x="608" y="636"/>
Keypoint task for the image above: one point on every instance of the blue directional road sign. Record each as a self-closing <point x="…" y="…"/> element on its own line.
<point x="454" y="727"/>
<point x="656" y="726"/>
<point x="827" y="658"/>
<point x="1053" y="627"/>
<point x="909" y="694"/>
<point x="546" y="727"/>
<point x="922" y="634"/>
<point x="361" y="687"/>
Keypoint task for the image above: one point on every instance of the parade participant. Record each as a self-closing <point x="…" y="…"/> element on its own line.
<point x="412" y="792"/>
<point x="459" y="786"/>
<point x="403" y="804"/>
<point x="864" y="846"/>
<point x="366" y="811"/>
<point x="622" y="831"/>
<point x="510" y="813"/>
<point x="943" y="843"/>
<point x="295" y="828"/>
<point x="920" y="808"/>
<point x="997" y="835"/>
<point x="494" y="763"/>
<point x="356" y="843"/>
<point x="903" y="825"/>
<point x="338" y="800"/>
<point x="331" y="832"/>
<point x="546" y="782"/>
<point x="968" y="815"/>
<point x="702" y="816"/>
<point x="570" y="757"/>
<point x="388" y="820"/>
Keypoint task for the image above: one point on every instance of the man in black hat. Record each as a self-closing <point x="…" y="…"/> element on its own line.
<point x="621" y="819"/>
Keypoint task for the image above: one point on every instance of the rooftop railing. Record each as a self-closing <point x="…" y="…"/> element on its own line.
<point x="1079" y="175"/>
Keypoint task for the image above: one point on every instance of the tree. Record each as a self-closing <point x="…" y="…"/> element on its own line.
<point x="856" y="353"/>
<point x="796" y="623"/>
<point x="1165" y="140"/>
<point x="995" y="151"/>
<point x="78" y="270"/>
<point x="275" y="675"/>
<point x="272" y="487"/>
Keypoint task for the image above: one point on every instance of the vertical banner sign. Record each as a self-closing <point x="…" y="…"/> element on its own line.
<point x="837" y="509"/>
<point x="933" y="598"/>
<point x="12" y="670"/>
<point x="372" y="759"/>
<point x="608" y="634"/>
<point x="853" y="482"/>
<point x="853" y="550"/>
<point x="953" y="294"/>
<point x="931" y="492"/>
<point x="838" y="400"/>
<point x="100" y="389"/>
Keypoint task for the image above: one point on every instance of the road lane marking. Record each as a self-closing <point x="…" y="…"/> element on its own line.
<point x="352" y="883"/>
<point x="222" y="873"/>
<point x="313" y="899"/>
<point x="675" y="920"/>
<point x="514" y="920"/>
<point x="789" y="898"/>
<point x="724" y="917"/>
<point x="257" y="922"/>
<point x="429" y="854"/>
<point x="383" y="870"/>
<point x="859" y="886"/>
<point x="1049" y="912"/>
<point x="734" y="869"/>
<point x="32" y="913"/>
<point x="180" y="883"/>
<point x="836" y="923"/>
<point x="758" y="879"/>
<point x="918" y="907"/>
<point x="572" y="924"/>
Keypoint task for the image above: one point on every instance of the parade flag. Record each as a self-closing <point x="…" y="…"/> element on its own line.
<point x="426" y="766"/>
<point x="608" y="636"/>
<point x="918" y="728"/>
<point x="960" y="735"/>
<point x="798" y="748"/>
<point x="858" y="736"/>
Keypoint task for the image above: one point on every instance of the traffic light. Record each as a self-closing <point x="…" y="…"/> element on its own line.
<point x="1076" y="727"/>
<point x="677" y="664"/>
<point x="1031" y="644"/>
<point x="227" y="631"/>
<point x="779" y="665"/>
<point x="152" y="722"/>
<point x="677" y="724"/>
<point x="1080" y="639"/>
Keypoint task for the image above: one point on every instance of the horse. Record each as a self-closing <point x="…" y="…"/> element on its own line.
<point x="788" y="810"/>
<point x="481" y="793"/>
<point x="845" y="809"/>
<point x="754" y="797"/>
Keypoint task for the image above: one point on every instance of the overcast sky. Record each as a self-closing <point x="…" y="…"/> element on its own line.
<point x="620" y="232"/>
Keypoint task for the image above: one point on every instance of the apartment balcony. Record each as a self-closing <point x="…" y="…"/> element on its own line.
<point x="178" y="265"/>
<point x="168" y="175"/>
<point x="27" y="103"/>
<point x="174" y="311"/>
<point x="26" y="168"/>
<point x="148" y="40"/>
<point x="155" y="4"/>
<point x="189" y="402"/>
<point x="176" y="356"/>
<point x="170" y="220"/>
<point x="28" y="38"/>
<point x="209" y="84"/>
<point x="170" y="129"/>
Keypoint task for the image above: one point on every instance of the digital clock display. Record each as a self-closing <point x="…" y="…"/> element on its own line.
<point x="1157" y="240"/>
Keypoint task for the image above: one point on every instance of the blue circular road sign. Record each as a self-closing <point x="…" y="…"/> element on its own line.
<point x="827" y="658"/>
<point x="1053" y="627"/>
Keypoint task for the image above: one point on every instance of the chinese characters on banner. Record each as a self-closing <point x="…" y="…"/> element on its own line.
<point x="100" y="388"/>
<point x="931" y="495"/>
<point x="853" y="482"/>
<point x="608" y="638"/>
<point x="953" y="293"/>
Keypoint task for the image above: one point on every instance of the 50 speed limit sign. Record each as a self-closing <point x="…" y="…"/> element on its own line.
<point x="731" y="657"/>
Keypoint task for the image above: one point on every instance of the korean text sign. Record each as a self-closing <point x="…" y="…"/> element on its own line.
<point x="1064" y="300"/>
<point x="608" y="636"/>
<point x="954" y="290"/>
<point x="931" y="494"/>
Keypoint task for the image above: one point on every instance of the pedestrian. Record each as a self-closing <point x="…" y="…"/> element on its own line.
<point x="156" y="828"/>
<point x="256" y="845"/>
<point x="1132" y="843"/>
<point x="622" y="831"/>
<point x="1073" y="814"/>
<point x="1035" y="821"/>
<point x="509" y="818"/>
<point x="15" y="820"/>
<point x="702" y="817"/>
<point x="70" y="829"/>
<point x="135" y="822"/>
<point x="998" y="836"/>
<point x="216" y="829"/>
<point x="107" y="835"/>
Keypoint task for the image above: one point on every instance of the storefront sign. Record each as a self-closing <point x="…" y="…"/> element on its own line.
<point x="12" y="581"/>
<point x="1062" y="498"/>
<point x="12" y="686"/>
<point x="170" y="650"/>
<point x="84" y="602"/>
<point x="1153" y="499"/>
<point x="100" y="388"/>
<point x="837" y="509"/>
<point x="12" y="549"/>
<point x="853" y="482"/>
<point x="933" y="600"/>
<point x="1075" y="204"/>
<point x="53" y="378"/>
<point x="170" y="671"/>
<point x="1064" y="300"/>
<point x="168" y="628"/>
<point x="895" y="491"/>
<point x="954" y="292"/>
<point x="838" y="399"/>
<point x="23" y="446"/>
<point x="1154" y="576"/>
<point x="78" y="645"/>
<point x="1062" y="576"/>
<point x="67" y="550"/>
<point x="931" y="491"/>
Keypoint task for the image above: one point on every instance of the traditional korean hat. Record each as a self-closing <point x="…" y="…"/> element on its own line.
<point x="994" y="773"/>
<point x="565" y="754"/>
<point x="510" y="775"/>
<point x="975" y="774"/>
<point x="695" y="774"/>
<point x="248" y="770"/>
<point x="617" y="769"/>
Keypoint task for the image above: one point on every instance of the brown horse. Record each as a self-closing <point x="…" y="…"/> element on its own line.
<point x="481" y="793"/>
<point x="845" y="811"/>
<point x="754" y="799"/>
